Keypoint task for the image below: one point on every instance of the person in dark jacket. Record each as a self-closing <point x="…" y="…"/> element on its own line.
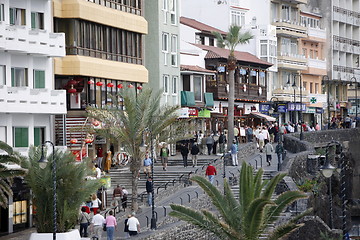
<point x="184" y="153"/>
<point x="194" y="154"/>
<point x="222" y="141"/>
<point x="149" y="190"/>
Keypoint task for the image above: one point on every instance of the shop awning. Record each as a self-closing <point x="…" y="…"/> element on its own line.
<point x="209" y="99"/>
<point x="187" y="98"/>
<point x="263" y="116"/>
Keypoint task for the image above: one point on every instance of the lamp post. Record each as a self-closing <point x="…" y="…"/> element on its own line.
<point x="356" y="99"/>
<point x="301" y="107"/>
<point x="225" y="157"/>
<point x="326" y="80"/>
<point x="42" y="163"/>
<point x="294" y="87"/>
<point x="153" y="218"/>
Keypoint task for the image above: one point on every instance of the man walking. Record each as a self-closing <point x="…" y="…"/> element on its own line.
<point x="194" y="154"/>
<point x="233" y="151"/>
<point x="209" y="143"/>
<point x="97" y="225"/>
<point x="117" y="195"/>
<point x="279" y="150"/>
<point x="164" y="155"/>
<point x="149" y="190"/>
<point x="222" y="141"/>
<point x="210" y="173"/>
<point x="134" y="225"/>
<point x="147" y="165"/>
<point x="268" y="151"/>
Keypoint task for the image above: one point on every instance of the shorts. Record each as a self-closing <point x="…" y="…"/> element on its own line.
<point x="164" y="160"/>
<point x="147" y="169"/>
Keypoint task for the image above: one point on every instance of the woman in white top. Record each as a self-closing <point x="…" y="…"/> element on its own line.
<point x="95" y="203"/>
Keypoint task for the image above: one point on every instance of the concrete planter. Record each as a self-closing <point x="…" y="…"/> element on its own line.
<point x="71" y="235"/>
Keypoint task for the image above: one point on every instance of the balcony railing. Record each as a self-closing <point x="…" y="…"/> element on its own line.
<point x="346" y="44"/>
<point x="25" y="100"/>
<point x="20" y="38"/>
<point x="317" y="33"/>
<point x="243" y="91"/>
<point x="346" y="16"/>
<point x="120" y="5"/>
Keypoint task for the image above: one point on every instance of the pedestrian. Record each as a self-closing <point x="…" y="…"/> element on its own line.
<point x="268" y="151"/>
<point x="216" y="141"/>
<point x="97" y="172"/>
<point x="99" y="156"/>
<point x="126" y="228"/>
<point x="249" y="134"/>
<point x="124" y="198"/>
<point x="147" y="165"/>
<point x="347" y="121"/>
<point x="134" y="225"/>
<point x="261" y="138"/>
<point x="210" y="173"/>
<point x="97" y="225"/>
<point x="111" y="225"/>
<point x="194" y="154"/>
<point x="107" y="164"/>
<point x="164" y="155"/>
<point x="222" y="141"/>
<point x="184" y="153"/>
<point x="149" y="190"/>
<point x="279" y="150"/>
<point x="85" y="221"/>
<point x="95" y="203"/>
<point x="209" y="143"/>
<point x="233" y="151"/>
<point x="117" y="196"/>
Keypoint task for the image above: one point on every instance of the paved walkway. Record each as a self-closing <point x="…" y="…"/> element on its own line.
<point x="180" y="197"/>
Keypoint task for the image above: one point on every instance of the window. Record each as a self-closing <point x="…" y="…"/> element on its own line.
<point x="174" y="84"/>
<point x="2" y="75"/>
<point x="17" y="16"/>
<point x="202" y="40"/>
<point x="165" y="10"/>
<point x="19" y="77"/>
<point x="274" y="11"/>
<point x="20" y="214"/>
<point x="289" y="13"/>
<point x="311" y="88"/>
<point x="211" y="42"/>
<point x="237" y="17"/>
<point x="174" y="50"/>
<point x="172" y="8"/>
<point x="311" y="53"/>
<point x="166" y="83"/>
<point x="39" y="79"/>
<point x="3" y="133"/>
<point x="39" y="136"/>
<point x="21" y="137"/>
<point x="37" y="20"/>
<point x="316" y="54"/>
<point x="198" y="88"/>
<point x="316" y="88"/>
<point x="165" y="46"/>
<point x="263" y="47"/>
<point x="304" y="50"/>
<point x="2" y="13"/>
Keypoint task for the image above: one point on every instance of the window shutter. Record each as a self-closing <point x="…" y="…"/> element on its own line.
<point x="13" y="77"/>
<point x="33" y="20"/>
<point x="12" y="16"/>
<point x="21" y="137"/>
<point x="37" y="136"/>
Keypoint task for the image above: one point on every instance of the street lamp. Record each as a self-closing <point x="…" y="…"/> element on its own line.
<point x="326" y="80"/>
<point x="356" y="99"/>
<point x="153" y="218"/>
<point x="301" y="107"/>
<point x="42" y="163"/>
<point x="225" y="157"/>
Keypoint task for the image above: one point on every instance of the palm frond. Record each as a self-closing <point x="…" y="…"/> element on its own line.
<point x="270" y="187"/>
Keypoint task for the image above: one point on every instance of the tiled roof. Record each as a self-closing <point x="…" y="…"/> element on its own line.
<point x="194" y="68"/>
<point x="199" y="26"/>
<point x="215" y="52"/>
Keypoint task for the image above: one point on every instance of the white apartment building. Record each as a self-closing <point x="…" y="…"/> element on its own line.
<point x="27" y="96"/>
<point x="28" y="100"/>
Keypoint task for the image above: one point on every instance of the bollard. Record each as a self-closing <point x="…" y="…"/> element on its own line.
<point x="164" y="211"/>
<point x="147" y="221"/>
<point x="181" y="200"/>
<point x="256" y="164"/>
<point x="197" y="194"/>
<point x="189" y="197"/>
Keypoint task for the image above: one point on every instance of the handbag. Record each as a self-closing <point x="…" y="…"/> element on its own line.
<point x="104" y="226"/>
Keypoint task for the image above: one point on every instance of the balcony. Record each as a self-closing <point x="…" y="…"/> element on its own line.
<point x="292" y="61"/>
<point x="287" y="94"/>
<point x="296" y="1"/>
<point x="316" y="67"/>
<point x="243" y="91"/>
<point x="346" y="16"/>
<point x="316" y="34"/>
<point x="290" y="28"/>
<point x="40" y="42"/>
<point x="27" y="100"/>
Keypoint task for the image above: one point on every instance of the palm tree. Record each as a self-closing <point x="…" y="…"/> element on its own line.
<point x="231" y="41"/>
<point x="7" y="174"/>
<point x="142" y="114"/>
<point x="248" y="217"/>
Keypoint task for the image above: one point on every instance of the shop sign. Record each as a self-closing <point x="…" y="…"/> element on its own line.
<point x="183" y="112"/>
<point x="242" y="72"/>
<point x="264" y="107"/>
<point x="291" y="107"/>
<point x="310" y="110"/>
<point x="193" y="112"/>
<point x="253" y="73"/>
<point x="319" y="110"/>
<point x="204" y="113"/>
<point x="221" y="69"/>
<point x="250" y="107"/>
<point x="100" y="140"/>
<point x="282" y="108"/>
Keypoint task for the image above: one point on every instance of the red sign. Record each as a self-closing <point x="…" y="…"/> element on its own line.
<point x="193" y="112"/>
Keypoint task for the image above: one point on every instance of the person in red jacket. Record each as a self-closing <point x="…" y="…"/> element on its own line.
<point x="210" y="172"/>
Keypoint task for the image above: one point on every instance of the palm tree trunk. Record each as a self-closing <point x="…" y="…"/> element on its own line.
<point x="231" y="68"/>
<point x="134" y="190"/>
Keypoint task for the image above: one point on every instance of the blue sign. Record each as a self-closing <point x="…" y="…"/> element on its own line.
<point x="242" y="71"/>
<point x="319" y="110"/>
<point x="262" y="74"/>
<point x="291" y="107"/>
<point x="297" y="107"/>
<point x="282" y="108"/>
<point x="264" y="107"/>
<point x="221" y="69"/>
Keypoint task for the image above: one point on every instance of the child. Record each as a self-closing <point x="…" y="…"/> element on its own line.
<point x="268" y="151"/>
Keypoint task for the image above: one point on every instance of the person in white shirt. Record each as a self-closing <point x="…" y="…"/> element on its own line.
<point x="261" y="138"/>
<point x="134" y="225"/>
<point x="97" y="225"/>
<point x="97" y="171"/>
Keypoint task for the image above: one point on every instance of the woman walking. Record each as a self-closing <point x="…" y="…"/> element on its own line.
<point x="95" y="203"/>
<point x="84" y="220"/>
<point x="111" y="224"/>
